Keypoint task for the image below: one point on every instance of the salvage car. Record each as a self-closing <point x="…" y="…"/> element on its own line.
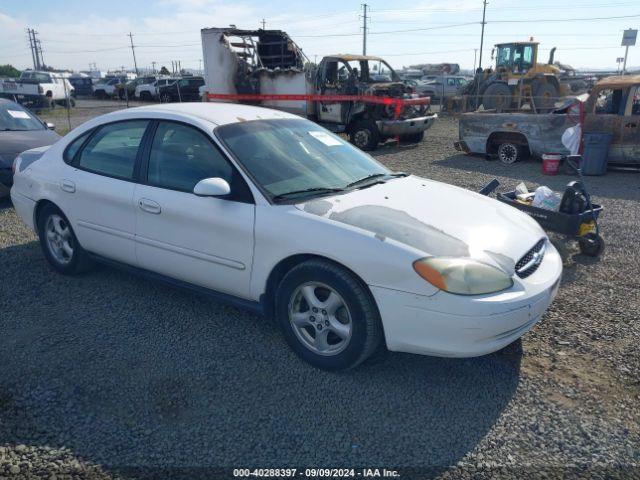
<point x="20" y="130"/>
<point x="613" y="107"/>
<point x="272" y="212"/>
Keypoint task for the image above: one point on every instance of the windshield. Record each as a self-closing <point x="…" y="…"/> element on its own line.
<point x="292" y="155"/>
<point x="14" y="117"/>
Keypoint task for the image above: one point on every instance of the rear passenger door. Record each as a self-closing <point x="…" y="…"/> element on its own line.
<point x="206" y="241"/>
<point x="98" y="186"/>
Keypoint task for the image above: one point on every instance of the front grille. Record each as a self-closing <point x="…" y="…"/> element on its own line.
<point x="531" y="260"/>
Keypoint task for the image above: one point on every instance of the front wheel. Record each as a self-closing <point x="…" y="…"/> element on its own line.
<point x="591" y="244"/>
<point x="165" y="98"/>
<point x="59" y="243"/>
<point x="327" y="315"/>
<point x="365" y="135"/>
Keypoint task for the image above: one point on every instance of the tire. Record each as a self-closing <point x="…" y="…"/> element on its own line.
<point x="412" y="138"/>
<point x="497" y="97"/>
<point x="52" y="221"/>
<point x="365" y="135"/>
<point x="314" y="336"/>
<point x="544" y="97"/>
<point x="591" y="244"/>
<point x="165" y="97"/>
<point x="509" y="153"/>
<point x="100" y="94"/>
<point x="145" y="96"/>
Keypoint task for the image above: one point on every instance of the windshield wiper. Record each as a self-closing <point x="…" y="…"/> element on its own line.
<point x="378" y="176"/>
<point x="281" y="196"/>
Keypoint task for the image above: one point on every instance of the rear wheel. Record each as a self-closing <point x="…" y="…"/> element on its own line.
<point x="59" y="244"/>
<point x="545" y="96"/>
<point x="509" y="153"/>
<point x="365" y="135"/>
<point x="327" y="316"/>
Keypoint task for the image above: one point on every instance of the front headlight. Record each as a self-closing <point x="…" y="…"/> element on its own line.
<point x="462" y="276"/>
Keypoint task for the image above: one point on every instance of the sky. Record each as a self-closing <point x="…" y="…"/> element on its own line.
<point x="75" y="33"/>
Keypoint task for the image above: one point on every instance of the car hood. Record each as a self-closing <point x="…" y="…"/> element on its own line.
<point x="436" y="218"/>
<point x="14" y="143"/>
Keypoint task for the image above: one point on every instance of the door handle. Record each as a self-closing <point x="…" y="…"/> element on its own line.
<point x="68" y="186"/>
<point x="149" y="206"/>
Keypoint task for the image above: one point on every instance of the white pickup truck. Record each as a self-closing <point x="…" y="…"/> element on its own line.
<point x="39" y="89"/>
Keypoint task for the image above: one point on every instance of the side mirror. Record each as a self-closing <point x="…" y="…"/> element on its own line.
<point x="212" y="187"/>
<point x="50" y="126"/>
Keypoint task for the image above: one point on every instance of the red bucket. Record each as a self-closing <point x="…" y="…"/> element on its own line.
<point x="551" y="163"/>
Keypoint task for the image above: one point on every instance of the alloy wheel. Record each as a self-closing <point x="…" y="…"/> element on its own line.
<point x="320" y="318"/>
<point x="59" y="239"/>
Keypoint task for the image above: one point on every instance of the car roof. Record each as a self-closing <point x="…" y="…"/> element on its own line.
<point x="218" y="113"/>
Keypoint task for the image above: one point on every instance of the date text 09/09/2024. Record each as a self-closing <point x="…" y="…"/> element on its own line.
<point x="315" y="472"/>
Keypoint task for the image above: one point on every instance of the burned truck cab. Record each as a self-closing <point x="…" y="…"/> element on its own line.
<point x="361" y="96"/>
<point x="367" y="122"/>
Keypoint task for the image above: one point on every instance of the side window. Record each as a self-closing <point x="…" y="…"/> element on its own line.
<point x="451" y="82"/>
<point x="181" y="156"/>
<point x="609" y="101"/>
<point x="113" y="149"/>
<point x="74" y="146"/>
<point x="183" y="83"/>
<point x="527" y="61"/>
<point x="635" y="100"/>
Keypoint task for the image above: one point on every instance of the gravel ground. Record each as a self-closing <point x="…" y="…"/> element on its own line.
<point x="109" y="375"/>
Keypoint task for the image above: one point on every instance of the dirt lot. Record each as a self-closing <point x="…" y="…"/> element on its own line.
<point x="109" y="374"/>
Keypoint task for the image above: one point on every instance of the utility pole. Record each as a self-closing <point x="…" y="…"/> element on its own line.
<point x="39" y="49"/>
<point x="153" y="65"/>
<point x="31" y="46"/>
<point x="364" y="29"/>
<point x="263" y="23"/>
<point x="475" y="52"/>
<point x="133" y="50"/>
<point x="484" y="11"/>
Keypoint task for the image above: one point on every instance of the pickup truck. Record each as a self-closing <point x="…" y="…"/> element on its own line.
<point x="613" y="107"/>
<point x="38" y="89"/>
<point x="365" y="97"/>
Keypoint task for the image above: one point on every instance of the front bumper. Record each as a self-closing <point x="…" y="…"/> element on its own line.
<point x="449" y="325"/>
<point x="406" y="126"/>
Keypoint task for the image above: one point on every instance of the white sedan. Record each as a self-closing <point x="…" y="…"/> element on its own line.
<point x="274" y="213"/>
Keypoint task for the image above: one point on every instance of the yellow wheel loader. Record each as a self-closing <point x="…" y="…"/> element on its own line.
<point x="518" y="78"/>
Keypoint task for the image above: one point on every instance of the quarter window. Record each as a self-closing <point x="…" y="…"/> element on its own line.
<point x="181" y="156"/>
<point x="113" y="149"/>
<point x="74" y="146"/>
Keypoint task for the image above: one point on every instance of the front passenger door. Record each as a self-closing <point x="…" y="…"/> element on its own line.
<point x="206" y="241"/>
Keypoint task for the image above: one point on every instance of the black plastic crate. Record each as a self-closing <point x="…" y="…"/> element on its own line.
<point x="549" y="220"/>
